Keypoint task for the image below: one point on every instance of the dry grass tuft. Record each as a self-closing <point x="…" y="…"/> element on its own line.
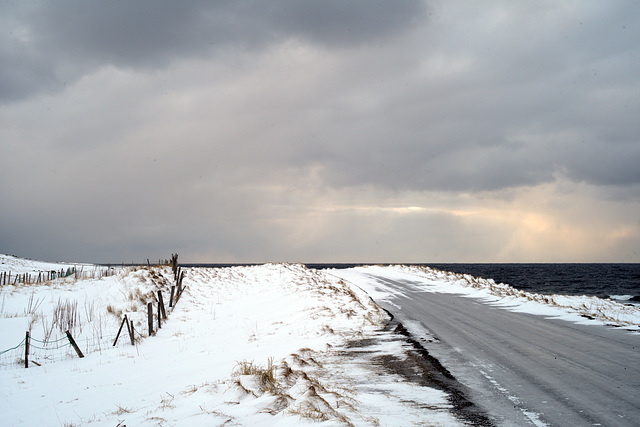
<point x="65" y="315"/>
<point x="122" y="410"/>
<point x="265" y="376"/>
<point x="114" y="311"/>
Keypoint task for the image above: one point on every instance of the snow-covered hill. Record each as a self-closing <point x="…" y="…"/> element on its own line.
<point x="276" y="344"/>
<point x="15" y="265"/>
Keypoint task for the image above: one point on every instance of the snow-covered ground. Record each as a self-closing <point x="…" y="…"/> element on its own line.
<point x="274" y="344"/>
<point x="17" y="265"/>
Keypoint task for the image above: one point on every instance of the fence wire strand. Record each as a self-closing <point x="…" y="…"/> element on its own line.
<point x="13" y="348"/>
<point x="48" y="351"/>
<point x="47" y="341"/>
<point x="49" y="348"/>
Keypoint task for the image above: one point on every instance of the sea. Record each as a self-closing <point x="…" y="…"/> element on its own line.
<point x="620" y="282"/>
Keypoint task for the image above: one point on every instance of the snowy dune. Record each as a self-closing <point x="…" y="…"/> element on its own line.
<point x="17" y="265"/>
<point x="264" y="345"/>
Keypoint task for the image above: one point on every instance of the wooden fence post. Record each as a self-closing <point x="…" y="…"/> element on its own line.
<point x="130" y="329"/>
<point x="179" y="283"/>
<point x="161" y="305"/>
<point x="133" y="333"/>
<point x="150" y="317"/>
<point x="120" y="330"/>
<point x="159" y="316"/>
<point x="26" y="350"/>
<point x="174" y="265"/>
<point x="74" y="345"/>
<point x="173" y="289"/>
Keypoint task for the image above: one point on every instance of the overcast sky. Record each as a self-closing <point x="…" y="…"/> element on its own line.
<point x="320" y="131"/>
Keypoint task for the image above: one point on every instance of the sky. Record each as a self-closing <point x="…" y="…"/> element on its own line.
<point x="304" y="131"/>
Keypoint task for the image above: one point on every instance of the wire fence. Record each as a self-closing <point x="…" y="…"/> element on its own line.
<point x="42" y="352"/>
<point x="78" y="273"/>
<point x="12" y="355"/>
<point x="34" y="351"/>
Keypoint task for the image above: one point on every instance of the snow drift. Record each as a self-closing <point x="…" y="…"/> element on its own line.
<point x="263" y="345"/>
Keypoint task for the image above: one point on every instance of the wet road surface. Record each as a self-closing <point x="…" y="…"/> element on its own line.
<point x="526" y="369"/>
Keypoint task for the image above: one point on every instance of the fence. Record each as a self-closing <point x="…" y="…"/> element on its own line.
<point x="7" y="278"/>
<point x="37" y="352"/>
<point x="176" y="293"/>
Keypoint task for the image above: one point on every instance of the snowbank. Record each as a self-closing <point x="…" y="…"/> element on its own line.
<point x="263" y="345"/>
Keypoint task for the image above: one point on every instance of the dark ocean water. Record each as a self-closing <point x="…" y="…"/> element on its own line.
<point x="619" y="281"/>
<point x="601" y="280"/>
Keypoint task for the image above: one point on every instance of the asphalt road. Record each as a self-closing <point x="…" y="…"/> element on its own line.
<point x="525" y="369"/>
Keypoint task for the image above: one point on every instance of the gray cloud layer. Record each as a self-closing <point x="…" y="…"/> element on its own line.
<point x="253" y="131"/>
<point x="48" y="44"/>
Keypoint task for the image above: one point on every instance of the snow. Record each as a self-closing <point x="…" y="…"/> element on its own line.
<point x="274" y="344"/>
<point x="578" y="309"/>
<point x="264" y="345"/>
<point x="21" y="265"/>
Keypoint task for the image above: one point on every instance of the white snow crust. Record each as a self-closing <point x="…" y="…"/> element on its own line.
<point x="15" y="265"/>
<point x="263" y="345"/>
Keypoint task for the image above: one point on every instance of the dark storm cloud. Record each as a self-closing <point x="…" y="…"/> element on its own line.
<point x="49" y="44"/>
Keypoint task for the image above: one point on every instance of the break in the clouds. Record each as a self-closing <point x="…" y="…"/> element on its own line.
<point x="250" y="131"/>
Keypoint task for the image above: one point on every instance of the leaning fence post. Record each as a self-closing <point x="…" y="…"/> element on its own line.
<point x="173" y="289"/>
<point x="74" y="345"/>
<point x="179" y="283"/>
<point x="159" y="316"/>
<point x="120" y="330"/>
<point x="161" y="305"/>
<point x="150" y="317"/>
<point x="26" y="350"/>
